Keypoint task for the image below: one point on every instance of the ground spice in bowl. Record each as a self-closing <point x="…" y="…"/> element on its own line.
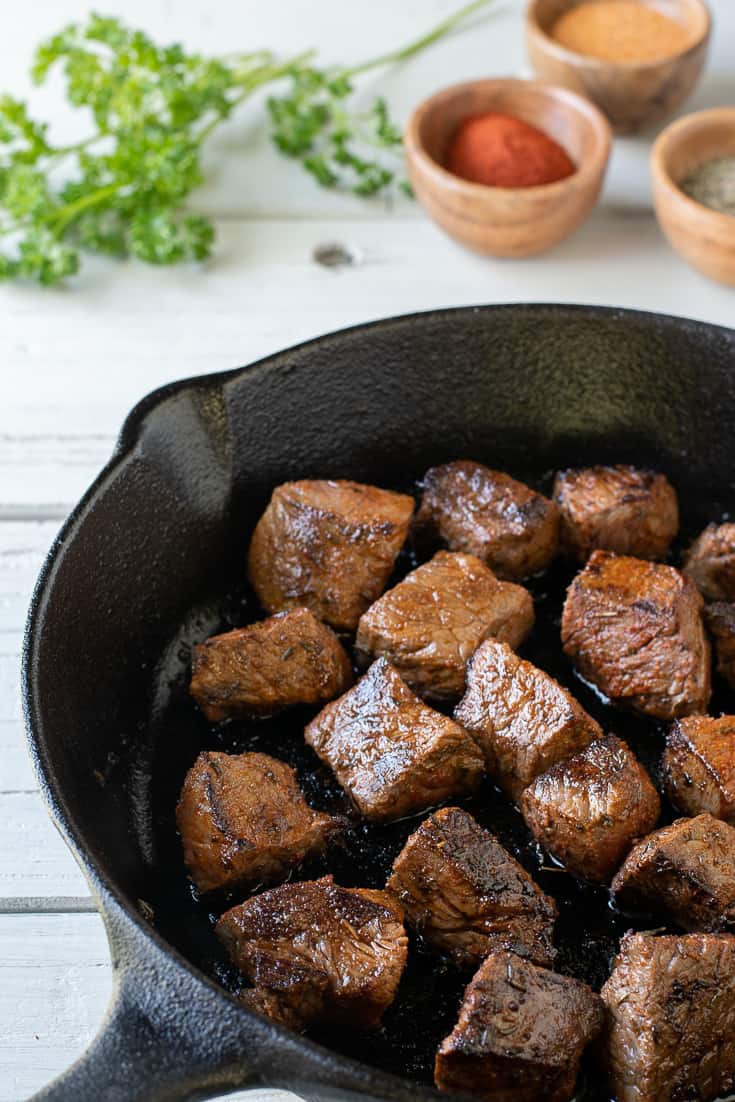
<point x="620" y="30"/>
<point x="713" y="185"/>
<point x="502" y="151"/>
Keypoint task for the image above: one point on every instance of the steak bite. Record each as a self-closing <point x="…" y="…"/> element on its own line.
<point x="520" y="1034"/>
<point x="670" y="1010"/>
<point x="710" y="562"/>
<point x="699" y="766"/>
<point x="634" y="630"/>
<point x="432" y="622"/>
<point x="685" y="871"/>
<point x="316" y="952"/>
<point x="621" y="509"/>
<point x="243" y="820"/>
<point x="465" y="894"/>
<point x="391" y="753"/>
<point x="720" y="620"/>
<point x="270" y="1005"/>
<point x="328" y="545"/>
<point x="511" y="527"/>
<point x="288" y="659"/>
<point x="588" y="810"/>
<point x="522" y="720"/>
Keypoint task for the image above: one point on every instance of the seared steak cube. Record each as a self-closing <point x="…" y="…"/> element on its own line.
<point x="699" y="766"/>
<point x="271" y="1005"/>
<point x="685" y="871"/>
<point x="391" y="753"/>
<point x="511" y="527"/>
<point x="520" y="1034"/>
<point x="720" y="619"/>
<point x="670" y="1010"/>
<point x="327" y="545"/>
<point x="243" y="820"/>
<point x="621" y="509"/>
<point x="323" y="953"/>
<point x="710" y="561"/>
<point x="634" y="629"/>
<point x="288" y="659"/>
<point x="433" y="621"/>
<point x="465" y="894"/>
<point x="587" y="811"/>
<point x="521" y="718"/>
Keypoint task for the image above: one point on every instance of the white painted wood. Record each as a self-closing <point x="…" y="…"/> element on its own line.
<point x="73" y="362"/>
<point x="16" y="772"/>
<point x="55" y="984"/>
<point x="54" y="987"/>
<point x="50" y="469"/>
<point x="22" y="550"/>
<point x="34" y="861"/>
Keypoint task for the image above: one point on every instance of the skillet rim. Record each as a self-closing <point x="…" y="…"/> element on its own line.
<point x="105" y="890"/>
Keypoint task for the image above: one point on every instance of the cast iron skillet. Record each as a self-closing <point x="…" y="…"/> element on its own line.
<point x="132" y="575"/>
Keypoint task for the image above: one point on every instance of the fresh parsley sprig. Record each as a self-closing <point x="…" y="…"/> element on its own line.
<point x="122" y="191"/>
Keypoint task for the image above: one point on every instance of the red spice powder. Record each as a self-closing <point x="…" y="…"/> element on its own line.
<point x="502" y="151"/>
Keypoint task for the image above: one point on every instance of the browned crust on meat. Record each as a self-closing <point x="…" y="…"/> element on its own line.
<point x="634" y="630"/>
<point x="616" y="508"/>
<point x="243" y="820"/>
<point x="483" y="512"/>
<point x="520" y="1033"/>
<point x="685" y="871"/>
<point x="287" y="660"/>
<point x="431" y="623"/>
<point x="710" y="562"/>
<point x="699" y="766"/>
<point x="720" y="620"/>
<point x="670" y="1018"/>
<point x="271" y="1005"/>
<point x="588" y="811"/>
<point x="324" y="953"/>
<point x="391" y="753"/>
<point x="522" y="719"/>
<point x="467" y="896"/>
<point x="329" y="545"/>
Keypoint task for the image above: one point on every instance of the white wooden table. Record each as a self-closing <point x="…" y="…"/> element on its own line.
<point x="73" y="361"/>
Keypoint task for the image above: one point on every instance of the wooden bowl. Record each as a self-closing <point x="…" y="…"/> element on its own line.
<point x="511" y="222"/>
<point x="632" y="94"/>
<point x="704" y="237"/>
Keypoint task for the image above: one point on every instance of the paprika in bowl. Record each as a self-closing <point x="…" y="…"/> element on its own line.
<point x="507" y="167"/>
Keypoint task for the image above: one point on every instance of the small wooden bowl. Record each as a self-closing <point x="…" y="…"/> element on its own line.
<point x="632" y="94"/>
<point x="510" y="222"/>
<point x="704" y="237"/>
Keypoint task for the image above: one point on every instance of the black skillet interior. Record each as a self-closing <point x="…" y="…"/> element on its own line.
<point x="154" y="560"/>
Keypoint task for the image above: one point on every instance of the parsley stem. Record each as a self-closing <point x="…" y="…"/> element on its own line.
<point x="420" y="44"/>
<point x="61" y="218"/>
<point x="251" y="82"/>
<point x="258" y="55"/>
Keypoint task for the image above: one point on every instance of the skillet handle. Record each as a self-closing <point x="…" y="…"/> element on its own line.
<point x="164" y="1039"/>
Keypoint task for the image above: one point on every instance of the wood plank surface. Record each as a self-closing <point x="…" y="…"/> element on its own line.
<point x="55" y="984"/>
<point x="74" y="361"/>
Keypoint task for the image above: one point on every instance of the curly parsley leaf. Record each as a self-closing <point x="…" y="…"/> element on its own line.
<point x="123" y="190"/>
<point x="340" y="148"/>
